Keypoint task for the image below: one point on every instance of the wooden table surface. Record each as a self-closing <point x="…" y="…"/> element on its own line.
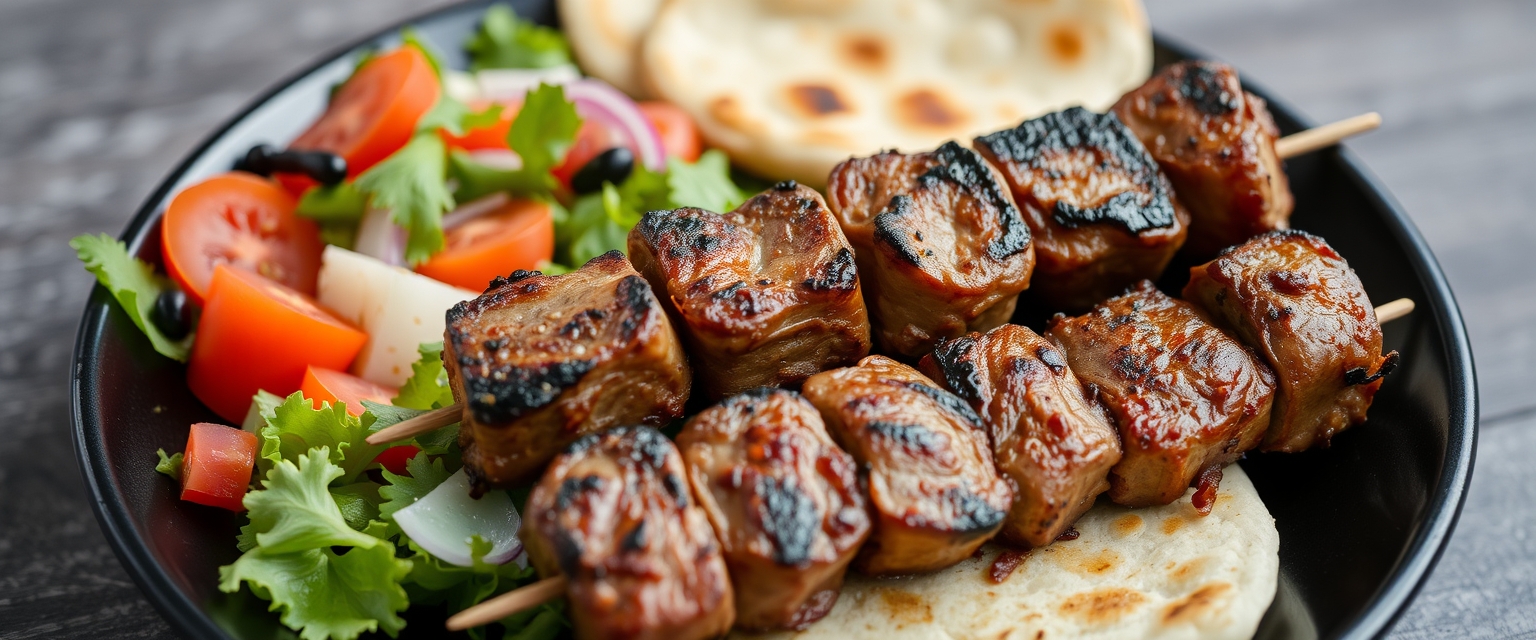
<point x="99" y="99"/>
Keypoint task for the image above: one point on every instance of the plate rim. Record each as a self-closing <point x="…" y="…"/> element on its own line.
<point x="1384" y="608"/>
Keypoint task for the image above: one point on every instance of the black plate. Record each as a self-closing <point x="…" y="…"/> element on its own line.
<point x="1361" y="524"/>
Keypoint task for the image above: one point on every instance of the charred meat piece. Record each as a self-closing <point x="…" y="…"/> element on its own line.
<point x="538" y="361"/>
<point x="763" y="296"/>
<point x="1295" y="300"/>
<point x="1185" y="396"/>
<point x="941" y="248"/>
<point x="1102" y="214"/>
<point x="934" y="491"/>
<point x="784" y="500"/>
<point x="1216" y="144"/>
<point x="1054" y="442"/>
<point x="613" y="514"/>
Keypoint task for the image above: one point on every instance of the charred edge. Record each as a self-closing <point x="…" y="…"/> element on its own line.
<point x="1079" y="128"/>
<point x="1359" y="375"/>
<point x="567" y="550"/>
<point x="612" y="256"/>
<point x="888" y="229"/>
<point x="496" y="400"/>
<point x="1204" y="84"/>
<point x="579" y="324"/>
<point x="650" y="447"/>
<point x="686" y="228"/>
<point x="948" y="401"/>
<point x="517" y="276"/>
<point x="1052" y="358"/>
<point x="635" y="540"/>
<point x="912" y="437"/>
<point x="968" y="170"/>
<point x="959" y="369"/>
<point x="674" y="486"/>
<point x="635" y="293"/>
<point x="972" y="513"/>
<point x="573" y="488"/>
<point x="786" y="185"/>
<point x="838" y="275"/>
<point x="757" y="394"/>
<point x="790" y="519"/>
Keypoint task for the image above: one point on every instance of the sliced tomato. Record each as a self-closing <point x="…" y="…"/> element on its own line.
<point x="592" y="138"/>
<point x="239" y="219"/>
<point x="216" y="467"/>
<point x="394" y="458"/>
<point x="257" y="334"/>
<point x="327" y="385"/>
<point x="519" y="235"/>
<point x="373" y="113"/>
<point x="679" y="134"/>
<point x="493" y="136"/>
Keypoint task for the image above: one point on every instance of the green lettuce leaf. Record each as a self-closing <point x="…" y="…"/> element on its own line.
<point x="358" y="502"/>
<point x="296" y="427"/>
<point x="423" y="474"/>
<point x="433" y="581"/>
<point x="295" y="510"/>
<point x="427" y="388"/>
<point x="263" y="407"/>
<point x="134" y="284"/>
<point x="325" y="595"/>
<point x="705" y="184"/>
<point x="411" y="184"/>
<point x="169" y="465"/>
<point x="443" y="441"/>
<point x="505" y="42"/>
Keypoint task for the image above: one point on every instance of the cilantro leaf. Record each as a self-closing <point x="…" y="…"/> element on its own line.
<point x="411" y="184"/>
<point x="590" y="231"/>
<point x="296" y="427"/>
<point x="324" y="595"/>
<point x="505" y="42"/>
<point x="423" y="474"/>
<point x="476" y="180"/>
<point x="705" y="184"/>
<point x="427" y="388"/>
<point x="169" y="465"/>
<point x="134" y="284"/>
<point x="544" y="129"/>
<point x="295" y="511"/>
<point x="339" y="204"/>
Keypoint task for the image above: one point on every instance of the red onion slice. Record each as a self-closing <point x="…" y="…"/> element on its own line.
<point x="597" y="100"/>
<point x="379" y="237"/>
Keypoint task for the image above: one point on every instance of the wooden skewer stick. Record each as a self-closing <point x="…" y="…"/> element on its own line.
<point x="508" y="603"/>
<point x="1394" y="310"/>
<point x="406" y="429"/>
<point x="1325" y="136"/>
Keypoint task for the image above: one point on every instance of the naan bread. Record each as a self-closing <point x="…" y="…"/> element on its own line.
<point x="791" y="87"/>
<point x="606" y="36"/>
<point x="1155" y="572"/>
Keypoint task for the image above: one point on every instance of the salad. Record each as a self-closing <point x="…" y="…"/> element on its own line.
<point x="305" y="290"/>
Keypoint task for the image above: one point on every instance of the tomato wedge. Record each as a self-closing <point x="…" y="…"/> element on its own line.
<point x="375" y="111"/>
<point x="679" y="135"/>
<point x="493" y="136"/>
<point x="243" y="220"/>
<point x="216" y="467"/>
<point x="327" y="385"/>
<point x="519" y="235"/>
<point x="257" y="334"/>
<point x="394" y="458"/>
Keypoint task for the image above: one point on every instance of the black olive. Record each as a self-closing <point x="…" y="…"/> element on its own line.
<point x="323" y="167"/>
<point x="172" y="314"/>
<point x="612" y="165"/>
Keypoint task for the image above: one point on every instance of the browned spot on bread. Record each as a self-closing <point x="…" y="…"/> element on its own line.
<point x="1127" y="524"/>
<point x="925" y="109"/>
<point x="865" y="51"/>
<point x="727" y="111"/>
<point x="1195" y="604"/>
<point x="1100" y="562"/>
<point x="1065" y="42"/>
<point x="1173" y="523"/>
<point x="1102" y="605"/>
<point x="816" y="100"/>
<point x="905" y="607"/>
<point x="1184" y="571"/>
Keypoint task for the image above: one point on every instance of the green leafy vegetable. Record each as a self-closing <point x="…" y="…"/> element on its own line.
<point x="169" y="464"/>
<point x="296" y="427"/>
<point x="411" y="184"/>
<point x="505" y="42"/>
<point x="324" y="595"/>
<point x="134" y="284"/>
<point x="423" y="474"/>
<point x="433" y="581"/>
<point x="427" y="388"/>
<point x="263" y="407"/>
<point x="443" y="441"/>
<point x="358" y="502"/>
<point x="295" y="511"/>
<point x="544" y="129"/>
<point x="340" y="204"/>
<point x="705" y="184"/>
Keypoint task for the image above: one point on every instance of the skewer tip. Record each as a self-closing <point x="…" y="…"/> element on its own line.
<point x="1394" y="310"/>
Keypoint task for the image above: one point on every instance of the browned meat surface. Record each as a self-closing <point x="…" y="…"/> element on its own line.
<point x="1185" y="395"/>
<point x="1054" y="442"/>
<point x="1295" y="300"/>
<point x="934" y="491"/>
<point x="941" y="247"/>
<point x="613" y="515"/>
<point x="765" y="295"/>
<point x="1216" y="144"/>
<point x="784" y="500"/>
<point x="539" y="361"/>
<point x="1102" y="214"/>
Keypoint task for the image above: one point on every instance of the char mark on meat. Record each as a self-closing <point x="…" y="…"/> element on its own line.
<point x="889" y="230"/>
<point x="1203" y="85"/>
<point x="966" y="169"/>
<point x="955" y="360"/>
<point x="789" y="518"/>
<point x="948" y="401"/>
<point x="841" y="274"/>
<point x="509" y="392"/>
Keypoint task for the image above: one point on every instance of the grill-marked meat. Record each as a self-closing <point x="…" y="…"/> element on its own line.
<point x="784" y="501"/>
<point x="1102" y="214"/>
<point x="765" y="295"/>
<point x="540" y="360"/>
<point x="614" y="515"/>
<point x="1186" y="396"/>
<point x="1216" y="144"/>
<point x="1294" y="299"/>
<point x="941" y="247"/>
<point x="923" y="453"/>
<point x="1054" y="442"/>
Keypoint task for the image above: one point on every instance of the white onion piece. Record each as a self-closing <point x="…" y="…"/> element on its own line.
<point x="461" y="86"/>
<point x="598" y="100"/>
<point x="513" y="84"/>
<point x="444" y="521"/>
<point x="504" y="159"/>
<point x="474" y="209"/>
<point x="379" y="237"/>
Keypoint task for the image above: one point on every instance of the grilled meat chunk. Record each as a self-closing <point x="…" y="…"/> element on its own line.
<point x="934" y="491"/>
<point x="763" y="296"/>
<point x="1216" y="144"/>
<point x="613" y="514"/>
<point x="538" y="361"/>
<point x="1294" y="299"/>
<point x="941" y="248"/>
<point x="1054" y="442"/>
<point x="1102" y="214"/>
<point x="784" y="500"/>
<point x="1185" y="396"/>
